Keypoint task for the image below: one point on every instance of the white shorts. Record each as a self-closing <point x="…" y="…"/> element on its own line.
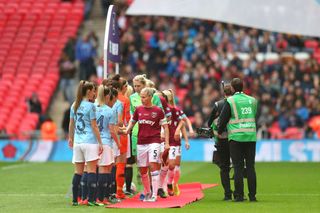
<point x="174" y="152"/>
<point x="148" y="153"/>
<point x="107" y="156"/>
<point x="85" y="152"/>
<point x="116" y="150"/>
<point x="129" y="148"/>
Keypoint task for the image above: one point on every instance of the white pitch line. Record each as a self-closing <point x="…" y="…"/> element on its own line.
<point x="290" y="194"/>
<point x="30" y="195"/>
<point x="15" y="166"/>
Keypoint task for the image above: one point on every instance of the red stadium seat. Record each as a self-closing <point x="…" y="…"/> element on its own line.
<point x="7" y="76"/>
<point x="316" y="55"/>
<point x="293" y="133"/>
<point x="181" y="94"/>
<point x="23" y="10"/>
<point x="147" y="35"/>
<point x="38" y="5"/>
<point x="46" y="16"/>
<point x="22" y="75"/>
<point x="43" y="23"/>
<point x="25" y="5"/>
<point x="9" y="11"/>
<point x="312" y="44"/>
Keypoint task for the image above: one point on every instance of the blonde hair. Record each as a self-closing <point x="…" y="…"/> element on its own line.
<point x="150" y="83"/>
<point x="83" y="87"/>
<point x="103" y="91"/>
<point x="129" y="91"/>
<point x="141" y="78"/>
<point x="149" y="91"/>
<point x="101" y="95"/>
<point x="170" y="96"/>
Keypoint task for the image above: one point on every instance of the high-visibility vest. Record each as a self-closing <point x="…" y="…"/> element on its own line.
<point x="242" y="123"/>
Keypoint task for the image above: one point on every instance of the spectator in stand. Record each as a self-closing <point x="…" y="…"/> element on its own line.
<point x="34" y="104"/>
<point x="87" y="8"/>
<point x="69" y="49"/>
<point x="94" y="39"/>
<point x="3" y="134"/>
<point x="65" y="122"/>
<point x="67" y="77"/>
<point x="85" y="54"/>
<point x="104" y="6"/>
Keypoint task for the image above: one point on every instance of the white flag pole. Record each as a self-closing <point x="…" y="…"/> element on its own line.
<point x="117" y="68"/>
<point x="106" y="39"/>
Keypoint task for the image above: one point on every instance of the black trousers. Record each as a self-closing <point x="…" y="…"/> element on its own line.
<point x="224" y="164"/>
<point x="244" y="152"/>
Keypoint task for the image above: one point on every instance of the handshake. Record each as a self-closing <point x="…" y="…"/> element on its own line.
<point x="122" y="130"/>
<point x="205" y="132"/>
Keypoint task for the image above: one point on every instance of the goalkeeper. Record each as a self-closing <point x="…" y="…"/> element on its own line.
<point x="222" y="155"/>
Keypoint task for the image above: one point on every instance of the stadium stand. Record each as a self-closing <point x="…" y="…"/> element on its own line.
<point x="281" y="70"/>
<point x="32" y="35"/>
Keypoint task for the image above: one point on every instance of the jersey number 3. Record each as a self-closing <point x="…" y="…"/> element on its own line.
<point x="80" y="123"/>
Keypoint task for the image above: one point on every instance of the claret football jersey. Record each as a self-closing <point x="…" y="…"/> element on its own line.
<point x="149" y="120"/>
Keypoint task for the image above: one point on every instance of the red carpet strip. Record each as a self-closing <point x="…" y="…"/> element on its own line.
<point x="190" y="192"/>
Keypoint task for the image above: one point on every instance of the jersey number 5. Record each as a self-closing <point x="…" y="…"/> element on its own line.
<point x="155" y="154"/>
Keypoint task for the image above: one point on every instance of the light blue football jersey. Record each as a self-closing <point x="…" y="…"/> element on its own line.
<point x="82" y="122"/>
<point x="105" y="117"/>
<point x="118" y="108"/>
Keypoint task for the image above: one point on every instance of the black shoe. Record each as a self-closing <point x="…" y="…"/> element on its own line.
<point x="129" y="193"/>
<point x="161" y="193"/>
<point x="113" y="199"/>
<point x="170" y="190"/>
<point x="75" y="203"/>
<point x="227" y="198"/>
<point x="238" y="199"/>
<point x="253" y="199"/>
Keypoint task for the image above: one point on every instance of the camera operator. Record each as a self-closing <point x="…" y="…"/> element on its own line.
<point x="222" y="155"/>
<point x="239" y="116"/>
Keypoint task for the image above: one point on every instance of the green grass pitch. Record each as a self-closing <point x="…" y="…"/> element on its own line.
<point x="282" y="187"/>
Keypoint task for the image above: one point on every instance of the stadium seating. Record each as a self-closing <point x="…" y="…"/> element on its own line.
<point x="311" y="44"/>
<point x="32" y="35"/>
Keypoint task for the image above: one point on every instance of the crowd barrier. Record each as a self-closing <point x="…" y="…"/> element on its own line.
<point x="201" y="150"/>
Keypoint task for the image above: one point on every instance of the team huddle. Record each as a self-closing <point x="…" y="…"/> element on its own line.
<point x="111" y="129"/>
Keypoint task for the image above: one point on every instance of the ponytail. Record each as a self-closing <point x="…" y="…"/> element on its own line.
<point x="150" y="83"/>
<point x="164" y="96"/>
<point x="113" y="93"/>
<point x="170" y="96"/>
<point x="129" y="91"/>
<point x="83" y="87"/>
<point x="79" y="96"/>
<point x="118" y="82"/>
<point x="101" y="94"/>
